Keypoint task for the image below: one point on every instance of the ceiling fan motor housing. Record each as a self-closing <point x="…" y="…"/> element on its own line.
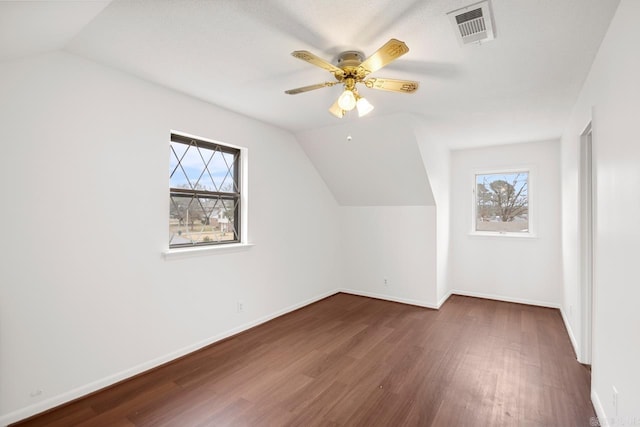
<point x="350" y="58"/>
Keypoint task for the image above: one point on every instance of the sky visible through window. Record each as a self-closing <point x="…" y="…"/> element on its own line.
<point x="217" y="176"/>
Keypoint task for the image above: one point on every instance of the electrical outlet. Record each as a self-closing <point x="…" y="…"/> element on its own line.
<point x="240" y="306"/>
<point x="615" y="401"/>
<point x="35" y="393"/>
<point x="386" y="281"/>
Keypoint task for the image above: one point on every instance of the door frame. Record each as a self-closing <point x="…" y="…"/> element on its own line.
<point x="587" y="238"/>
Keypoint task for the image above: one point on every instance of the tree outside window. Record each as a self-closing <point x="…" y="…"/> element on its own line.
<point x="502" y="202"/>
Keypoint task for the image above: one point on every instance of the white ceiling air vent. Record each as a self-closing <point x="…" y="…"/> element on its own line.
<point x="473" y="23"/>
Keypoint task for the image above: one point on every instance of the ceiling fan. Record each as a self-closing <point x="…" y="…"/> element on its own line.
<point x="352" y="69"/>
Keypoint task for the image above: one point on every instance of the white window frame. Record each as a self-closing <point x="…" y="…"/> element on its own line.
<point x="170" y="253"/>
<point x="531" y="200"/>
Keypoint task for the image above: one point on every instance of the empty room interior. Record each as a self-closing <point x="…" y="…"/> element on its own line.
<point x="242" y="212"/>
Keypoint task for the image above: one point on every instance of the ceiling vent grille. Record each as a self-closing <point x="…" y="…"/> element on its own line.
<point x="473" y="23"/>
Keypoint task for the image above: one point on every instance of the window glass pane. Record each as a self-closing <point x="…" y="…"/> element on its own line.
<point x="182" y="217"/>
<point x="230" y="179"/>
<point x="191" y="172"/>
<point x="502" y="202"/>
<point x="199" y="172"/>
<point x="176" y="153"/>
<point x="196" y="220"/>
<point x="219" y="172"/>
<point x="228" y="227"/>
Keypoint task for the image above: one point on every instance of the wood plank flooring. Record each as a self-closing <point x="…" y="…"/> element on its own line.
<point x="355" y="361"/>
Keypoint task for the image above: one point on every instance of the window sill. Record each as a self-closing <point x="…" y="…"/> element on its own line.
<point x="501" y="235"/>
<point x="206" y="250"/>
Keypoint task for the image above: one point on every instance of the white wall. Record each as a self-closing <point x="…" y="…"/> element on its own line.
<point x="86" y="296"/>
<point x="510" y="268"/>
<point x="611" y="100"/>
<point x="393" y="242"/>
<point x="437" y="162"/>
<point x="387" y="214"/>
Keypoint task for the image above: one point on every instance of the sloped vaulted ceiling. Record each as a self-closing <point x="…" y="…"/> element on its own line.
<point x="236" y="54"/>
<point x="32" y="27"/>
<point x="380" y="165"/>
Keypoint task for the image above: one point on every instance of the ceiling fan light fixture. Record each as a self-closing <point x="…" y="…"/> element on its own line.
<point x="347" y="101"/>
<point x="364" y="107"/>
<point x="352" y="70"/>
<point x="336" y="110"/>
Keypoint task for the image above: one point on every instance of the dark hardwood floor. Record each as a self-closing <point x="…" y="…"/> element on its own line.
<point x="349" y="361"/>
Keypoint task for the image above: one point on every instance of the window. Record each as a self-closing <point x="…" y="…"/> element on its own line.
<point x="204" y="193"/>
<point x="502" y="202"/>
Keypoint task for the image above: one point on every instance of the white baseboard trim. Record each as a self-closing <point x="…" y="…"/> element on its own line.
<point x="444" y="299"/>
<point x="84" y="390"/>
<point x="597" y="406"/>
<point x="504" y="298"/>
<point x="409" y="301"/>
<point x="572" y="336"/>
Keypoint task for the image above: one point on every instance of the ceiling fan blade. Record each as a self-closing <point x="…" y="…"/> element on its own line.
<point x="393" y="85"/>
<point x="390" y="51"/>
<point x="308" y="88"/>
<point x="317" y="61"/>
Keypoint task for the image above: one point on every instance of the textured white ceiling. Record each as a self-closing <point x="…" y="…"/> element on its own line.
<point x="236" y="54"/>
